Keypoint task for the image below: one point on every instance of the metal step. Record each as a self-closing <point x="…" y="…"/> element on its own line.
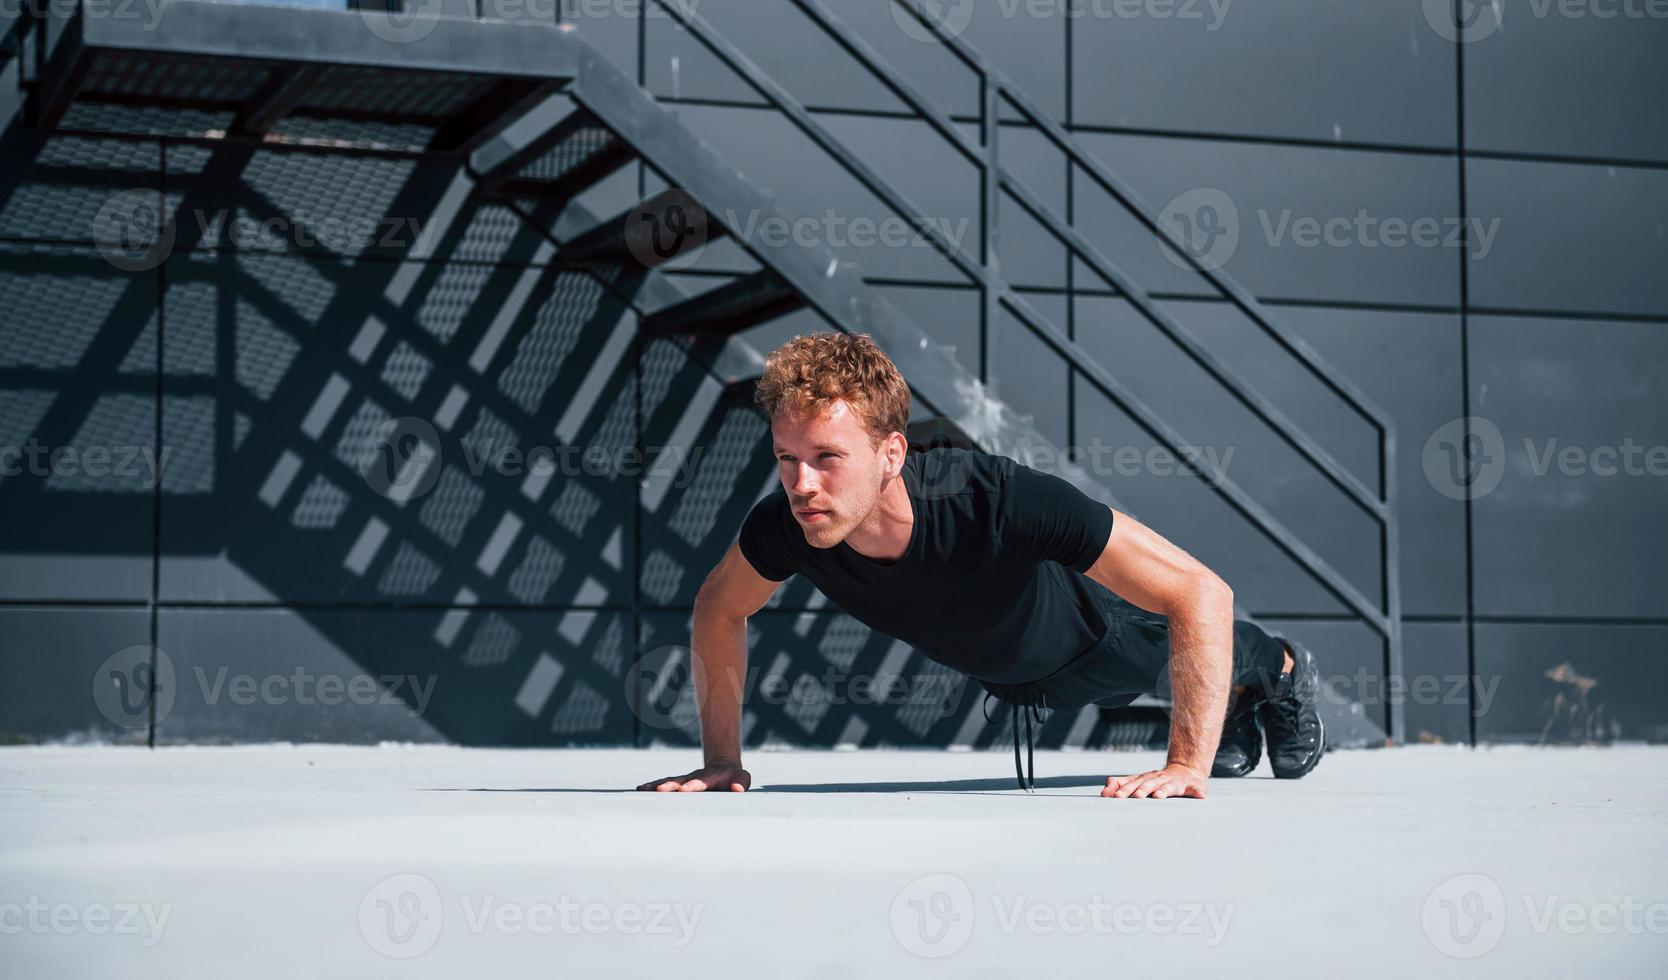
<point x="664" y="227"/>
<point x="560" y="164"/>
<point x="733" y="307"/>
<point x="299" y="75"/>
<point x="731" y="361"/>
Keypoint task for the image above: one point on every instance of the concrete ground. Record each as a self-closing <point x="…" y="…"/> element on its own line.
<point x="322" y="861"/>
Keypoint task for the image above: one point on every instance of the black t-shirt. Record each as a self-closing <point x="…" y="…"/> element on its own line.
<point x="991" y="584"/>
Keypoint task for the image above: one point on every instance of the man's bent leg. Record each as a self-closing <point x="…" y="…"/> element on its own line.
<point x="1136" y="661"/>
<point x="1259" y="659"/>
<point x="1256" y="675"/>
<point x="1144" y="640"/>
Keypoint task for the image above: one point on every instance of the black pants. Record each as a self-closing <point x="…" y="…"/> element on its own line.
<point x="1133" y="658"/>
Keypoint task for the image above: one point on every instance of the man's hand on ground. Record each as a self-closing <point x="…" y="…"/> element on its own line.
<point x="721" y="777"/>
<point x="1172" y="780"/>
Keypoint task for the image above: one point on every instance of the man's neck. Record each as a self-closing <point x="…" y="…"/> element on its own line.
<point x="885" y="535"/>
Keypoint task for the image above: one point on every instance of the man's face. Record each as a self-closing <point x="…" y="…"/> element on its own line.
<point x="832" y="472"/>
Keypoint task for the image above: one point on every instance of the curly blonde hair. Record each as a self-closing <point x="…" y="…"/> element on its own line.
<point x="810" y="372"/>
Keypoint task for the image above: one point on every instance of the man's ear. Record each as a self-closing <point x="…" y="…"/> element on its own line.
<point x="897" y="447"/>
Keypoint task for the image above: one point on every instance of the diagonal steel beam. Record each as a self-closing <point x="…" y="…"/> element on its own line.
<point x="279" y="97"/>
<point x="490" y="114"/>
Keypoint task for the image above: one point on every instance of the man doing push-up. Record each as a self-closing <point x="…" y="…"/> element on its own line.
<point x="1009" y="575"/>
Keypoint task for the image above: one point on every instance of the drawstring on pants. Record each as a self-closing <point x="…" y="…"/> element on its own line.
<point x="1029" y="701"/>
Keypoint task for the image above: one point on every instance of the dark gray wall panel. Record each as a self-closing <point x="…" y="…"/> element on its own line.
<point x="929" y="173"/>
<point x="1568" y="518"/>
<point x="1030" y="254"/>
<point x="1310" y="223"/>
<point x="1572" y="237"/>
<point x="801" y="57"/>
<point x="1217" y="428"/>
<point x="806" y="61"/>
<point x="473" y="677"/>
<point x="949" y="316"/>
<point x="1158" y="491"/>
<point x="56" y="189"/>
<point x="1027" y="374"/>
<point x="74" y="674"/>
<point x="1437" y="690"/>
<point x="1367" y="72"/>
<point x="826" y="203"/>
<point x="611" y="27"/>
<point x="79" y="460"/>
<point x="299" y="392"/>
<point x="1409" y="364"/>
<point x="1541" y="81"/>
<point x="1580" y="683"/>
<point x="1025" y="41"/>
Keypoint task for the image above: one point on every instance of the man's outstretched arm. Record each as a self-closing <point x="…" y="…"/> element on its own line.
<point x="1156" y="575"/>
<point x="730" y="594"/>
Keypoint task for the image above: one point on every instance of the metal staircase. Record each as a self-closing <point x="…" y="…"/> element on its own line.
<point x="312" y="78"/>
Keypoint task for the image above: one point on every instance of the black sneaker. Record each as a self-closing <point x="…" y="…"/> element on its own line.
<point x="1242" y="744"/>
<point x="1291" y="717"/>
